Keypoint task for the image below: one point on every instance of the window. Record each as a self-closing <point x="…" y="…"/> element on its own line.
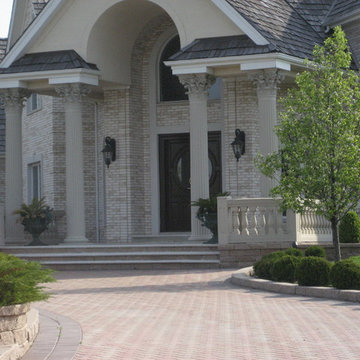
<point x="34" y="181"/>
<point x="33" y="104"/>
<point x="171" y="88"/>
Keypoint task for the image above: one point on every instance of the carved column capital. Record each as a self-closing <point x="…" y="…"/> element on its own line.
<point x="14" y="97"/>
<point x="267" y="79"/>
<point x="73" y="92"/>
<point x="197" y="84"/>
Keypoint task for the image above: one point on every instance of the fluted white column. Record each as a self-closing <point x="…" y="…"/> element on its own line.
<point x="267" y="83"/>
<point x="13" y="102"/>
<point x="73" y="95"/>
<point x="197" y="86"/>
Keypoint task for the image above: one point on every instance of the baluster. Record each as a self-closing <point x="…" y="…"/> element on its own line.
<point x="271" y="221"/>
<point x="234" y="221"/>
<point x="262" y="221"/>
<point x="247" y="221"/>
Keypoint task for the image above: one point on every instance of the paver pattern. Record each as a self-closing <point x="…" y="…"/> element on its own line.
<point x="171" y="315"/>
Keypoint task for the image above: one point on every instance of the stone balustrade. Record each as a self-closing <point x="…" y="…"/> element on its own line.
<point x="259" y="221"/>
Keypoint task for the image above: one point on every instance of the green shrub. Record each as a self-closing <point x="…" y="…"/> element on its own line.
<point x="294" y="252"/>
<point x="315" y="251"/>
<point x="349" y="228"/>
<point x="19" y="281"/>
<point x="355" y="259"/>
<point x="313" y="271"/>
<point x="262" y="268"/>
<point x="283" y="268"/>
<point x="345" y="274"/>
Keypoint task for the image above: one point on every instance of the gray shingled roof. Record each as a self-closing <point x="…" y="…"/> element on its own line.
<point x="340" y="9"/>
<point x="52" y="60"/>
<point x="3" y="45"/>
<point x="2" y="128"/>
<point x="282" y="24"/>
<point x="221" y="47"/>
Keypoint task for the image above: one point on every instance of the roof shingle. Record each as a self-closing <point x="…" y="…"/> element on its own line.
<point x="45" y="61"/>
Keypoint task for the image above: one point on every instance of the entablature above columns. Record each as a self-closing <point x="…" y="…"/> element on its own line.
<point x="46" y="82"/>
<point x="237" y="65"/>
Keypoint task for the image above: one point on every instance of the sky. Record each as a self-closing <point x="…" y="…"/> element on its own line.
<point x="5" y="13"/>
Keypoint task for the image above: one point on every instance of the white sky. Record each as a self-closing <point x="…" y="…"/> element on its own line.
<point x="5" y="13"/>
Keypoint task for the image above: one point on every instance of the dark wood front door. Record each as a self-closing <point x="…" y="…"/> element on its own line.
<point x="174" y="151"/>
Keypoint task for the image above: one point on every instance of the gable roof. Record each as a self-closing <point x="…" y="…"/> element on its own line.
<point x="45" y="61"/>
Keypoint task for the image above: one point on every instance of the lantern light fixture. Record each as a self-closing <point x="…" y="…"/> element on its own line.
<point x="238" y="145"/>
<point x="109" y="151"/>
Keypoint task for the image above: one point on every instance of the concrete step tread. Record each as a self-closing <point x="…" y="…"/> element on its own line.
<point x="141" y="253"/>
<point x="179" y="261"/>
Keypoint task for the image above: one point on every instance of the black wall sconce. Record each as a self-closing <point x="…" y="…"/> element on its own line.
<point x="238" y="145"/>
<point x="109" y="151"/>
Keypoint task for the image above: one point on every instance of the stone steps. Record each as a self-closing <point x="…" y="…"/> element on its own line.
<point x="121" y="257"/>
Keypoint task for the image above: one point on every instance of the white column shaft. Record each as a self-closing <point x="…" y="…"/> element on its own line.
<point x="75" y="199"/>
<point x="14" y="232"/>
<point x="198" y="86"/>
<point x="199" y="163"/>
<point x="267" y="83"/>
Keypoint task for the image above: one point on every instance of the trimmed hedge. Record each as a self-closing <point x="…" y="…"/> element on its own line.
<point x="283" y="268"/>
<point x="349" y="228"/>
<point x="19" y="281"/>
<point x="345" y="274"/>
<point x="294" y="252"/>
<point x="313" y="271"/>
<point x="262" y="268"/>
<point x="315" y="250"/>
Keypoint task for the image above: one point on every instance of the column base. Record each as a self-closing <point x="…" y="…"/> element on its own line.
<point x="76" y="240"/>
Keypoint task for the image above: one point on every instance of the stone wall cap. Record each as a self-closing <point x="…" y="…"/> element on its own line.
<point x="13" y="310"/>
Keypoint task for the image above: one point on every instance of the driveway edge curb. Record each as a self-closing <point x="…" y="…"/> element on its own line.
<point x="243" y="277"/>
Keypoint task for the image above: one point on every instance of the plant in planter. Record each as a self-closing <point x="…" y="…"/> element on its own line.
<point x="19" y="285"/>
<point x="207" y="214"/>
<point x="36" y="218"/>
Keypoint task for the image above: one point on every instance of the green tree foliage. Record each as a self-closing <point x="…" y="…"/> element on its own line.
<point x="19" y="281"/>
<point x="349" y="228"/>
<point x="319" y="134"/>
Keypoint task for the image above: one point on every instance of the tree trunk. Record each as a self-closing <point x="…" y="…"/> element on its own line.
<point x="335" y="237"/>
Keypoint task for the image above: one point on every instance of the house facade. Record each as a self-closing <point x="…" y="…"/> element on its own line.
<point x="169" y="83"/>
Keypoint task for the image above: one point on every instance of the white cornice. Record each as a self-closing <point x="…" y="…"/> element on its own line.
<point x="84" y="76"/>
<point x="248" y="62"/>
<point x="32" y="32"/>
<point x="240" y="22"/>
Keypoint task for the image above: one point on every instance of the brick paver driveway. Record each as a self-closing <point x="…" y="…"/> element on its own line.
<point x="198" y="315"/>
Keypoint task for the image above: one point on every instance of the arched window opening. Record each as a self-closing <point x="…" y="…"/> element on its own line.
<point x="170" y="87"/>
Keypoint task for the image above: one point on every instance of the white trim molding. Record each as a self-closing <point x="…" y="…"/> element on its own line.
<point x="56" y="77"/>
<point x="240" y="22"/>
<point x="248" y="62"/>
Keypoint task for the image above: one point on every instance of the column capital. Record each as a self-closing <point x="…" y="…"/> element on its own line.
<point x="267" y="79"/>
<point x="197" y="84"/>
<point x="14" y="96"/>
<point x="73" y="92"/>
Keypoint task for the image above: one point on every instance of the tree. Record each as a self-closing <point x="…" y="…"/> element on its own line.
<point x="319" y="133"/>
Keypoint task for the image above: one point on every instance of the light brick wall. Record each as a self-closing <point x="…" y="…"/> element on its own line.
<point x="241" y="111"/>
